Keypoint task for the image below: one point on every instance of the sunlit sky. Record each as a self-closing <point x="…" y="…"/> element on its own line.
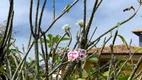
<point x="109" y="14"/>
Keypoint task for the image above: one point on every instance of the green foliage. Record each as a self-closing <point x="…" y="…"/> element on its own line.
<point x="124" y="77"/>
<point x="91" y="71"/>
<point x="137" y="49"/>
<point x="106" y="73"/>
<point x="118" y="24"/>
<point x="67" y="6"/>
<point x="93" y="59"/>
<point x="123" y="40"/>
<point x="54" y="40"/>
<point x="17" y="63"/>
<point x="81" y="79"/>
<point x="84" y="74"/>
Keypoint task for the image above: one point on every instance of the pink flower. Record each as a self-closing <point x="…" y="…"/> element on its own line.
<point x="82" y="53"/>
<point x="73" y="55"/>
<point x="76" y="55"/>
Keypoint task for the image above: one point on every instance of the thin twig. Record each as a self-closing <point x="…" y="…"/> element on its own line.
<point x="115" y="27"/>
<point x="110" y="75"/>
<point x="40" y="17"/>
<point x="53" y="7"/>
<point x="92" y="34"/>
<point x="140" y="73"/>
<point x="46" y="56"/>
<point x="57" y="68"/>
<point x="95" y="7"/>
<point x="58" y="43"/>
<point x="61" y="15"/>
<point x="24" y="57"/>
<point x="8" y="22"/>
<point x="70" y="36"/>
<point x="36" y="16"/>
<point x="99" y="69"/>
<point x="135" y="68"/>
<point x="30" y="17"/>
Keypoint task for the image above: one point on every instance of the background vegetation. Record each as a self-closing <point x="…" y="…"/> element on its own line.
<point x="15" y="65"/>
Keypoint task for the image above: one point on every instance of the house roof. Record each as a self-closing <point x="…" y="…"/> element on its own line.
<point x="118" y="49"/>
<point x="137" y="31"/>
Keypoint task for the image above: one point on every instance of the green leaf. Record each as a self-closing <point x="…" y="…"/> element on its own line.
<point x="106" y="73"/>
<point x="56" y="39"/>
<point x="31" y="64"/>
<point x="85" y="74"/>
<point x="50" y="36"/>
<point x="124" y="77"/>
<point x="81" y="79"/>
<point x="65" y="39"/>
<point x="12" y="39"/>
<point x="138" y="49"/>
<point x="121" y="58"/>
<point x="49" y="45"/>
<point x="2" y="67"/>
<point x="91" y="70"/>
<point x="67" y="6"/>
<point x="15" y="51"/>
<point x="42" y="40"/>
<point x="93" y="59"/>
<point x="110" y="32"/>
<point x="43" y="75"/>
<point x="123" y="40"/>
<point x="56" y="60"/>
<point x="118" y="24"/>
<point x="30" y="59"/>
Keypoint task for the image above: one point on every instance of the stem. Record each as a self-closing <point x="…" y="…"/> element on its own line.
<point x="40" y="17"/>
<point x="135" y="68"/>
<point x="10" y="15"/>
<point x="36" y="59"/>
<point x="115" y="27"/>
<point x="46" y="56"/>
<point x="69" y="70"/>
<point x="58" y="66"/>
<point x="100" y="69"/>
<point x="60" y="16"/>
<point x="36" y="17"/>
<point x="111" y="76"/>
<point x="53" y="7"/>
<point x="30" y="17"/>
<point x="19" y="66"/>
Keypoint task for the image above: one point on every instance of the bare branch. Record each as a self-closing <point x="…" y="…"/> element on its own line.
<point x="115" y="27"/>
<point x="135" y="68"/>
<point x="53" y="7"/>
<point x="61" y="15"/>
<point x="30" y="17"/>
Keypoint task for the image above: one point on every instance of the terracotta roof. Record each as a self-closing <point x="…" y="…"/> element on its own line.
<point x="137" y="30"/>
<point x="117" y="49"/>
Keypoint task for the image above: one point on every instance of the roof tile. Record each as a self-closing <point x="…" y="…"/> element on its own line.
<point x="137" y="30"/>
<point x="117" y="49"/>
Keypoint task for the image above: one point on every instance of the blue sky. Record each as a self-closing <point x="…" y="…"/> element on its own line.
<point x="109" y="13"/>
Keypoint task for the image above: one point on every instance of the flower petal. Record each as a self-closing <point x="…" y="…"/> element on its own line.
<point x="72" y="55"/>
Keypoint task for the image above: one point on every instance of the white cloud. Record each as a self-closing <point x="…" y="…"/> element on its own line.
<point x="109" y="13"/>
<point x="3" y="10"/>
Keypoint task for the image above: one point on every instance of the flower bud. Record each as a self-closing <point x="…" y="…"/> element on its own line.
<point x="66" y="27"/>
<point x="80" y="23"/>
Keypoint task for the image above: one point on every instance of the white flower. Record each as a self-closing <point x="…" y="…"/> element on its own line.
<point x="80" y="23"/>
<point x="82" y="53"/>
<point x="73" y="55"/>
<point x="66" y="27"/>
<point x="76" y="55"/>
